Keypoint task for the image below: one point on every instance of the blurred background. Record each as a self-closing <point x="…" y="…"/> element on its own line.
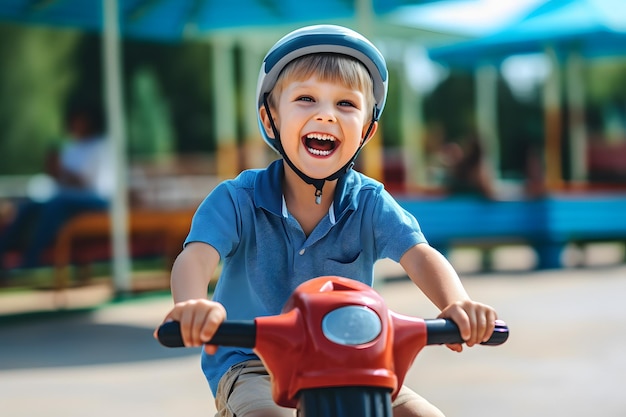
<point x="504" y="134"/>
<point x="505" y="125"/>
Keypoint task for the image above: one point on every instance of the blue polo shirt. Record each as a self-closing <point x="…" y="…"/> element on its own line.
<point x="265" y="254"/>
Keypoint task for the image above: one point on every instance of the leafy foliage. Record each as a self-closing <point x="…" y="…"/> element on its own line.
<point x="37" y="74"/>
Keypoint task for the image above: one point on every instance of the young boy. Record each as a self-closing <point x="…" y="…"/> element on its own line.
<point x="321" y="91"/>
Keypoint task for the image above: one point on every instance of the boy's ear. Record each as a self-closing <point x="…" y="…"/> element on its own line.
<point x="267" y="125"/>
<point x="371" y="133"/>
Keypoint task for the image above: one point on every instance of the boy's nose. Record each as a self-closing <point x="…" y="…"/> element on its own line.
<point x="326" y="118"/>
<point x="326" y="115"/>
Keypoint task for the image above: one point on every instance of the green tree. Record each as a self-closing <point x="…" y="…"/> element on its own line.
<point x="35" y="78"/>
<point x="149" y="122"/>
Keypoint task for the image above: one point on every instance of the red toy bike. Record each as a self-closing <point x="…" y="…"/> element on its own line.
<point x="353" y="351"/>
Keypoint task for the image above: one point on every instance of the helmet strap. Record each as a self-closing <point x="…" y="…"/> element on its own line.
<point x="318" y="183"/>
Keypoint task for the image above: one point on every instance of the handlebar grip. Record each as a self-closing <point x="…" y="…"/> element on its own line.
<point x="445" y="331"/>
<point x="243" y="333"/>
<point x="230" y="333"/>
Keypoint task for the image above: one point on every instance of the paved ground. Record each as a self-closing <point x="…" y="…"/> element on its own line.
<point x="565" y="356"/>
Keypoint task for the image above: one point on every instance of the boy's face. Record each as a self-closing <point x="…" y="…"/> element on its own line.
<point x="321" y="124"/>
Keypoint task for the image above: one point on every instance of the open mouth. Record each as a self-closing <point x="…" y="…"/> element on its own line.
<point x="320" y="144"/>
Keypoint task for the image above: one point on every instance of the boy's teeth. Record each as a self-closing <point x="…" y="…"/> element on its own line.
<point x="320" y="144"/>
<point x="321" y="137"/>
<point x="318" y="152"/>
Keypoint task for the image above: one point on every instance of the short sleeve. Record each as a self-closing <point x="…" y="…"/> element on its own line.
<point x="396" y="230"/>
<point x="217" y="221"/>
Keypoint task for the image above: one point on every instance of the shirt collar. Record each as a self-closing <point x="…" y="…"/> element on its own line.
<point x="346" y="193"/>
<point x="268" y="188"/>
<point x="268" y="193"/>
<point x="331" y="211"/>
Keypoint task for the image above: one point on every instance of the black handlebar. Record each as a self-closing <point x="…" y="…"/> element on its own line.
<point x="445" y="331"/>
<point x="243" y="333"/>
<point x="240" y="333"/>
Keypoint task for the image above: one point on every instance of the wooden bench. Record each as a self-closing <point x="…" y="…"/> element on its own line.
<point x="87" y="238"/>
<point x="547" y="225"/>
<point x="581" y="219"/>
<point x="163" y="195"/>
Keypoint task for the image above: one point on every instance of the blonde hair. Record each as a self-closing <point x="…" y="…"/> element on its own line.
<point x="328" y="67"/>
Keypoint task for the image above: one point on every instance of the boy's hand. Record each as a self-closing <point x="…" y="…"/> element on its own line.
<point x="199" y="319"/>
<point x="476" y="322"/>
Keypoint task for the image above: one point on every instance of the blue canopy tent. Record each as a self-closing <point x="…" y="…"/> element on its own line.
<point x="467" y="18"/>
<point x="591" y="27"/>
<point x="568" y="31"/>
<point x="171" y="21"/>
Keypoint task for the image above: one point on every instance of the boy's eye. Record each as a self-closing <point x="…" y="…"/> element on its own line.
<point x="304" y="98"/>
<point x="346" y="103"/>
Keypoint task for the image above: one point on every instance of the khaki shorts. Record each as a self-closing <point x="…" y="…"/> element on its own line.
<point x="246" y="387"/>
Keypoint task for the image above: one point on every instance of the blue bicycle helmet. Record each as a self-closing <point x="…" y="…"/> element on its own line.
<point x="320" y="39"/>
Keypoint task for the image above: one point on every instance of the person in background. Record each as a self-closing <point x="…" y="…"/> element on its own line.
<point x="82" y="180"/>
<point x="469" y="172"/>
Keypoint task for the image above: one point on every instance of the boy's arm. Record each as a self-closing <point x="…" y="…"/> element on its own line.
<point x="438" y="280"/>
<point x="192" y="271"/>
<point x="191" y="274"/>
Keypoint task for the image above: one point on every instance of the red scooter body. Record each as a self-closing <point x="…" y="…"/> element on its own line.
<point x="336" y="349"/>
<point x="299" y="352"/>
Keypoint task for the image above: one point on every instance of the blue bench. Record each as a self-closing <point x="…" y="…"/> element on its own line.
<point x="547" y="224"/>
